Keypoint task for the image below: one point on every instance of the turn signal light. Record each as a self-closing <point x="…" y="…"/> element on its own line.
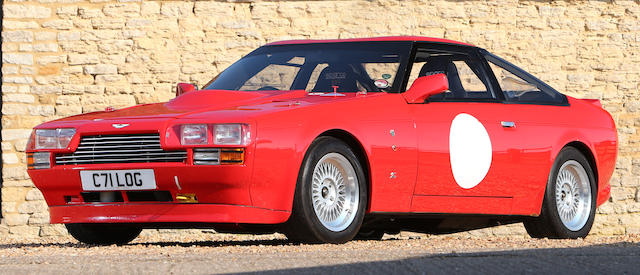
<point x="39" y="160"/>
<point x="232" y="156"/>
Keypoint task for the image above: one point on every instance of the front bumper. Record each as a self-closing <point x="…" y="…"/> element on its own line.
<point x="222" y="192"/>
<point x="165" y="213"/>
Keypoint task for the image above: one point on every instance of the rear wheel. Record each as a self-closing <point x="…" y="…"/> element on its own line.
<point x="331" y="195"/>
<point x="103" y="234"/>
<point x="569" y="204"/>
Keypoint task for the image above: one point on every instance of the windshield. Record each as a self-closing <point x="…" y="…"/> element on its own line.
<point x="345" y="67"/>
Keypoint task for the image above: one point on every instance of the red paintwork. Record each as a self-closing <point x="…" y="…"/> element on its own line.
<point x="371" y="39"/>
<point x="283" y="126"/>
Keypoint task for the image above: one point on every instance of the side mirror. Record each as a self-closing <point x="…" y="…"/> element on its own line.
<point x="426" y="86"/>
<point x="183" y="88"/>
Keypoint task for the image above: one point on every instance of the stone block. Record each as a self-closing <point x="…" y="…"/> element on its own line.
<point x="18" y="98"/>
<point x="46" y="35"/>
<point x="82" y="59"/>
<point x="46" y="89"/>
<point x="17" y="36"/>
<point x="26" y="47"/>
<point x="88" y="13"/>
<point x="9" y="207"/>
<point x="17" y="58"/>
<point x="107" y="23"/>
<point x="42" y="110"/>
<point x="25" y="11"/>
<point x="10" y="158"/>
<point x="48" y="59"/>
<point x="15" y="134"/>
<point x="14" y="109"/>
<point x="18" y="79"/>
<point x="13" y="219"/>
<point x="149" y="8"/>
<point x="101" y="69"/>
<point x="176" y="8"/>
<point x="29" y="207"/>
<point x="121" y="9"/>
<point x="62" y="110"/>
<point x="25" y="230"/>
<point x="11" y="24"/>
<point x="60" y="24"/>
<point x="53" y="230"/>
<point x="66" y="11"/>
<point x="39" y="218"/>
<point x="45" y="47"/>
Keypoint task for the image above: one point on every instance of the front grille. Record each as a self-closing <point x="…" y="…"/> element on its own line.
<point x="140" y="148"/>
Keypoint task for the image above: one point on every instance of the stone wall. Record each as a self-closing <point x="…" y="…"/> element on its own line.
<point x="65" y="57"/>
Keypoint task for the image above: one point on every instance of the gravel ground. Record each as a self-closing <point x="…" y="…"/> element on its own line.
<point x="405" y="253"/>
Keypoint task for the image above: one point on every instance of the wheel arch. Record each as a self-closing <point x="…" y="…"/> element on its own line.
<point x="588" y="154"/>
<point x="358" y="150"/>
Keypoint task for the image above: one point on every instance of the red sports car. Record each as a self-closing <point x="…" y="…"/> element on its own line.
<point x="331" y="140"/>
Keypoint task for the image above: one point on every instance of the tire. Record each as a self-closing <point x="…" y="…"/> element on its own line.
<point x="320" y="207"/>
<point x="569" y="204"/>
<point x="370" y="235"/>
<point x="103" y="234"/>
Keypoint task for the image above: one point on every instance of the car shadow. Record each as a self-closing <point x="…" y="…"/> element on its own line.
<point x="217" y="243"/>
<point x="36" y="244"/>
<point x="222" y="243"/>
<point x="617" y="258"/>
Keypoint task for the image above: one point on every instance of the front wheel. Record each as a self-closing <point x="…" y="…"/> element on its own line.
<point x="103" y="234"/>
<point x="569" y="205"/>
<point x="331" y="195"/>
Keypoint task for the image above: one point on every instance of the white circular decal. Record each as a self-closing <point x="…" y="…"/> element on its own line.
<point x="469" y="150"/>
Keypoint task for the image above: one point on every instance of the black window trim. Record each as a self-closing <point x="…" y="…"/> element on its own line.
<point x="524" y="75"/>
<point x="472" y="53"/>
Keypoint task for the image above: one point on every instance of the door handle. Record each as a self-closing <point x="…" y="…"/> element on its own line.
<point x="508" y="124"/>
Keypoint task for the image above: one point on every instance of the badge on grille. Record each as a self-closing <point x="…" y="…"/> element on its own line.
<point x="120" y="125"/>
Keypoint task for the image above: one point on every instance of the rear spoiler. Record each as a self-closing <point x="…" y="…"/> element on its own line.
<point x="593" y="101"/>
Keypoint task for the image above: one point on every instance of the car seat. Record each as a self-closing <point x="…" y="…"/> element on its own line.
<point x="340" y="75"/>
<point x="444" y="64"/>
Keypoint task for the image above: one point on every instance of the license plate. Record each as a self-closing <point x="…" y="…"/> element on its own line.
<point x="109" y="180"/>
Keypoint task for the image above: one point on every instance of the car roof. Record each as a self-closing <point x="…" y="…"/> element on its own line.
<point x="371" y="39"/>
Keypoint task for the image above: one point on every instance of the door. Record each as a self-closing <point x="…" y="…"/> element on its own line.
<point x="541" y="117"/>
<point x="464" y="153"/>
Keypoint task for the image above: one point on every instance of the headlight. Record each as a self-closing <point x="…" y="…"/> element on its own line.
<point x="231" y="134"/>
<point x="193" y="134"/>
<point x="223" y="134"/>
<point x="53" y="138"/>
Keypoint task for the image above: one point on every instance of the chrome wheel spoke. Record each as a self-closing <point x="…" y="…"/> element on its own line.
<point x="573" y="195"/>
<point x="334" y="191"/>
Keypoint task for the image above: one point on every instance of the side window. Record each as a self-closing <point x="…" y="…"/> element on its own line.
<point x="470" y="82"/>
<point x="514" y="87"/>
<point x="517" y="89"/>
<point x="464" y="81"/>
<point x="272" y="77"/>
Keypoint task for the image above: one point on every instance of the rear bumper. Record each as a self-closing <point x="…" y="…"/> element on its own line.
<point x="165" y="213"/>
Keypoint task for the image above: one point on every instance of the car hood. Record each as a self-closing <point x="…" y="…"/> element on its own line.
<point x="197" y="101"/>
<point x="203" y="101"/>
